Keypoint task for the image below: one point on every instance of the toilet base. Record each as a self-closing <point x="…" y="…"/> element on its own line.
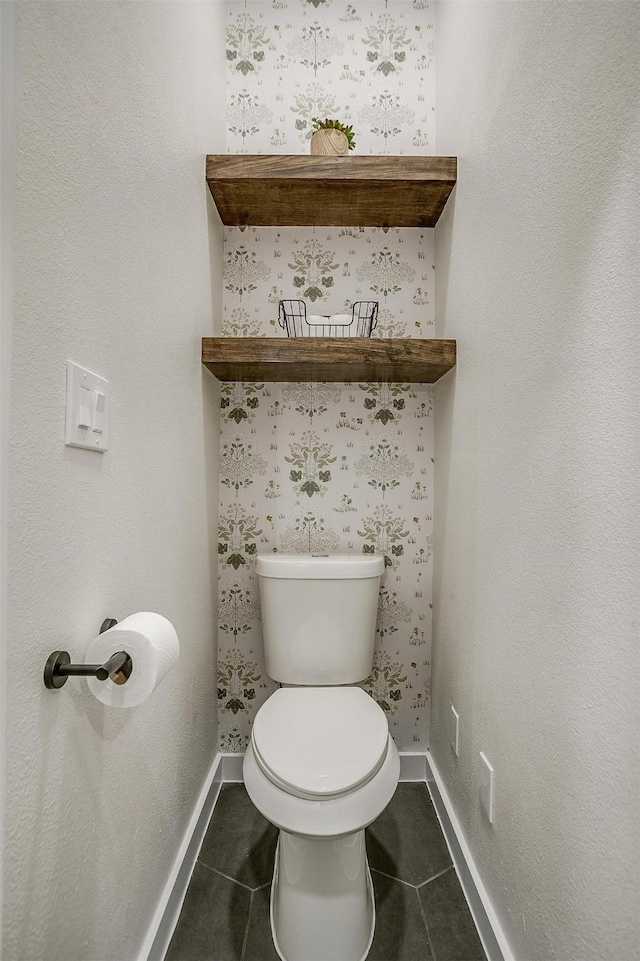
<point x="322" y="904"/>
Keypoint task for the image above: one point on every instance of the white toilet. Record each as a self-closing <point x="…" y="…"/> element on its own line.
<point x="321" y="764"/>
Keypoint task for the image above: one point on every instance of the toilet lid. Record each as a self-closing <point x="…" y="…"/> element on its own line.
<point x="320" y="742"/>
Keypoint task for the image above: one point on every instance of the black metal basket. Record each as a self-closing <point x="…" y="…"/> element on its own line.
<point x="292" y="317"/>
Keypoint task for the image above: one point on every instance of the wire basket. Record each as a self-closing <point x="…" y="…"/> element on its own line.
<point x="292" y="317"/>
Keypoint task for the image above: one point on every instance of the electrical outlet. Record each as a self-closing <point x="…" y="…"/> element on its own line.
<point x="486" y="786"/>
<point x="455" y="731"/>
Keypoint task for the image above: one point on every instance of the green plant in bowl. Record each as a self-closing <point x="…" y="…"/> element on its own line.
<point x="335" y="125"/>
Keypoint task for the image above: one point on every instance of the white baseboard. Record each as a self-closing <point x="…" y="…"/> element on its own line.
<point x="413" y="767"/>
<point x="232" y="767"/>
<point x="487" y="922"/>
<point x="167" y="913"/>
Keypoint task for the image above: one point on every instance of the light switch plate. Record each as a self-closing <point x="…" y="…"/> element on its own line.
<point x="486" y="786"/>
<point x="87" y="423"/>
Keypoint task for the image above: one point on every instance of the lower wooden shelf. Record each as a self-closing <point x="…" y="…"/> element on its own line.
<point x="347" y="359"/>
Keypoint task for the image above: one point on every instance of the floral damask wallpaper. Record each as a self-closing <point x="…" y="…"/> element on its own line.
<point x="370" y="63"/>
<point x="328" y="467"/>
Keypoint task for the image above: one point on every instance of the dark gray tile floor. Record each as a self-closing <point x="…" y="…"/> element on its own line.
<point x="421" y="913"/>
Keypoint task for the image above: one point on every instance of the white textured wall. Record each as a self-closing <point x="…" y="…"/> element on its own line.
<point x="537" y="462"/>
<point x="7" y="210"/>
<point x="117" y="261"/>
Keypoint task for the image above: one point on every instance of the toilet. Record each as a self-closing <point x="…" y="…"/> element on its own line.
<point x="321" y="764"/>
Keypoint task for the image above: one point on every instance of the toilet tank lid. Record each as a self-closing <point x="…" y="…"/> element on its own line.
<point x="320" y="566"/>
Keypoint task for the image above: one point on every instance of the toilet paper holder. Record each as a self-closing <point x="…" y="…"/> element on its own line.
<point x="59" y="668"/>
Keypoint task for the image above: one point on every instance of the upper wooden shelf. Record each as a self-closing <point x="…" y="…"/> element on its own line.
<point x="348" y="359"/>
<point x="300" y="191"/>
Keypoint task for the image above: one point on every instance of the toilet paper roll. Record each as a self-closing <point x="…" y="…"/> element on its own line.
<point x="152" y="644"/>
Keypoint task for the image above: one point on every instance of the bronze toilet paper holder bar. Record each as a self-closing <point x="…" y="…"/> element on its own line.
<point x="59" y="668"/>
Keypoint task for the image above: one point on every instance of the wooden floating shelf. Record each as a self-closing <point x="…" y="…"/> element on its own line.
<point x="348" y="359"/>
<point x="300" y="191"/>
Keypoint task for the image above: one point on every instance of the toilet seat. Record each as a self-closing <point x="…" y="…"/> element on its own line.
<point x="320" y="743"/>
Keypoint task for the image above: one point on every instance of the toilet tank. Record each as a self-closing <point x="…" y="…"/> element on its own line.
<point x="319" y="616"/>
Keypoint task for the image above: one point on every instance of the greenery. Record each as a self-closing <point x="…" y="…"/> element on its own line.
<point x="335" y="125"/>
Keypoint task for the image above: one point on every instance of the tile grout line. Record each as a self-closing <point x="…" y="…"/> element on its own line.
<point x="392" y="878"/>
<point x="227" y="878"/>
<point x="435" y="877"/>
<point x="246" y="928"/>
<point x="426" y="925"/>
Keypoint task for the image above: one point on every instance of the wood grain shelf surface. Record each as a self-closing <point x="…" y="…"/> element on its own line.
<point x="300" y="191"/>
<point x="347" y="359"/>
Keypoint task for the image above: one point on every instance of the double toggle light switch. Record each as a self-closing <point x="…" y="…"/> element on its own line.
<point x="87" y="409"/>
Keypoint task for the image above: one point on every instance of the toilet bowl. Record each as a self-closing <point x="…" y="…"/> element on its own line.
<point x="321" y="766"/>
